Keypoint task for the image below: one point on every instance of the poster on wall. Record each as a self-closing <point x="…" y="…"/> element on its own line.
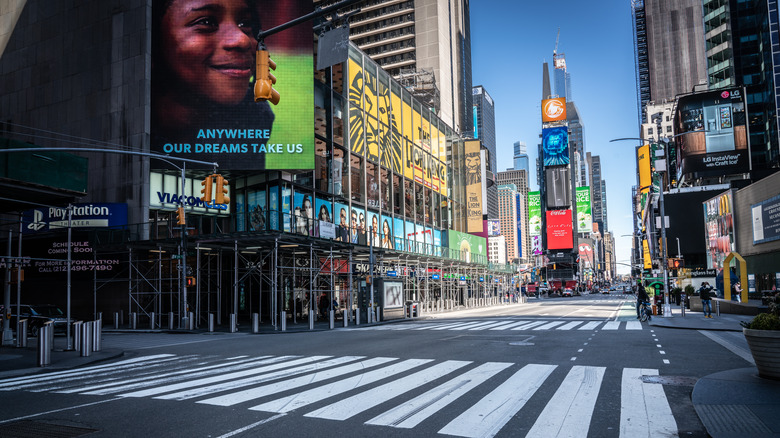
<point x="720" y="238"/>
<point x="766" y="220"/>
<point x="467" y="247"/>
<point x="387" y="232"/>
<point x="256" y="210"/>
<point x="398" y="234"/>
<point x="303" y="214"/>
<point x="473" y="186"/>
<point x="373" y="231"/>
<point x="341" y="211"/>
<point x="559" y="235"/>
<point x="393" y="294"/>
<point x="203" y="107"/>
<point x="534" y="214"/>
<point x="584" y="212"/>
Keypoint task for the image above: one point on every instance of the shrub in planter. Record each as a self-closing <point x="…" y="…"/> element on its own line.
<point x="763" y="338"/>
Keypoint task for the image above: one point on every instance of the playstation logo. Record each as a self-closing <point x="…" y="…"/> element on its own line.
<point x="37" y="222"/>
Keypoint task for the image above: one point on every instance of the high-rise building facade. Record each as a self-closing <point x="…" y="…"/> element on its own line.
<point x="507" y="215"/>
<point x="520" y="158"/>
<point x="497" y="249"/>
<point x="598" y="193"/>
<point x="665" y="32"/>
<point x="426" y="45"/>
<point x="562" y="77"/>
<point x="577" y="143"/>
<point x="485" y="130"/>
<point x="519" y="179"/>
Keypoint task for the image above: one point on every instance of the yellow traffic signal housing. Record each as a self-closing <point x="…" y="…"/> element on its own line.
<point x="190" y="281"/>
<point x="265" y="81"/>
<point x="206" y="190"/>
<point x="221" y="190"/>
<point x="180" y="213"/>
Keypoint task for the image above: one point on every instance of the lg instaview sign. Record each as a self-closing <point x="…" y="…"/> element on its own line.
<point x="202" y="81"/>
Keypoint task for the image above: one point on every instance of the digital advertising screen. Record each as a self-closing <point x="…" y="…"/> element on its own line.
<point x="555" y="146"/>
<point x="711" y="133"/>
<point x="584" y="212"/>
<point x="473" y="186"/>
<point x="534" y="214"/>
<point x="493" y="227"/>
<point x="554" y="110"/>
<point x="559" y="234"/>
<point x="720" y="239"/>
<point x="202" y="94"/>
<point x="469" y="245"/>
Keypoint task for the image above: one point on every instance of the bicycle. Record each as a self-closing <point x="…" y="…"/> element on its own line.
<point x="645" y="314"/>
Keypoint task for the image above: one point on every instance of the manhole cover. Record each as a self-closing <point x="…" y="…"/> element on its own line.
<point x="671" y="380"/>
<point x="32" y="429"/>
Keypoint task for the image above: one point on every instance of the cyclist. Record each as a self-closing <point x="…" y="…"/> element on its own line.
<point x="641" y="297"/>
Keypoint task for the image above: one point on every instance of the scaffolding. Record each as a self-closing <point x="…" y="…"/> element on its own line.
<point x="421" y="83"/>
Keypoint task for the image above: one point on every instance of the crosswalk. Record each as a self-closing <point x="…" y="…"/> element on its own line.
<point x="511" y="325"/>
<point x="381" y="391"/>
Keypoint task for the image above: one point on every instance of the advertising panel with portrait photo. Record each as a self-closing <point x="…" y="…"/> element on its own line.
<point x="711" y="134"/>
<point x="341" y="216"/>
<point x="303" y="214"/>
<point x="386" y="235"/>
<point x="203" y="76"/>
<point x="555" y="146"/>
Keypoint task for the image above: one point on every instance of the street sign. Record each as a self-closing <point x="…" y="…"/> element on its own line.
<point x="392" y="274"/>
<point x="435" y="277"/>
<point x="177" y="256"/>
<point x="481" y="278"/>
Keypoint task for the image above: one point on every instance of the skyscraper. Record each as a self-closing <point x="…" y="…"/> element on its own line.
<point x="598" y="193"/>
<point x="521" y="157"/>
<point x="426" y="45"/>
<point x="562" y="77"/>
<point x="576" y="143"/>
<point x="665" y="32"/>
<point x="518" y="179"/>
<point x="507" y="214"/>
<point x="485" y="130"/>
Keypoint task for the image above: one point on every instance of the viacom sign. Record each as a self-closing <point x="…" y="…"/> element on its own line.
<point x="165" y="194"/>
<point x="81" y="216"/>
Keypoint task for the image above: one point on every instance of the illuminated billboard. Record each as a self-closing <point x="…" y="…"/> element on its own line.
<point x="202" y="99"/>
<point x="720" y="238"/>
<point x="711" y="134"/>
<point x="534" y="214"/>
<point x="468" y="246"/>
<point x="555" y="146"/>
<point x="554" y="110"/>
<point x="494" y="227"/>
<point x="584" y="213"/>
<point x="559" y="235"/>
<point x="473" y="186"/>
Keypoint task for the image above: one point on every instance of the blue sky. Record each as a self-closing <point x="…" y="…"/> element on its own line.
<point x="509" y="42"/>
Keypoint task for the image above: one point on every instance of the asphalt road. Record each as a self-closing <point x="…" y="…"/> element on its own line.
<point x="579" y="366"/>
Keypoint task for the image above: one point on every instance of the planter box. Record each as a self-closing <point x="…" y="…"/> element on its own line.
<point x="765" y="348"/>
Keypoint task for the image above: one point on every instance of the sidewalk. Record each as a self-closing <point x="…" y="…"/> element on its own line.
<point x="697" y="321"/>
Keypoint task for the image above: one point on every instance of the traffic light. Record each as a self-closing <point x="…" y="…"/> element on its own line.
<point x="190" y="281"/>
<point x="265" y="81"/>
<point x="221" y="190"/>
<point x="180" y="213"/>
<point x="206" y="190"/>
<point x="678" y="263"/>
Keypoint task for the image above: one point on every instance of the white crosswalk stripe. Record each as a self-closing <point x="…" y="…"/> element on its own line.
<point x="536" y="325"/>
<point x="409" y="391"/>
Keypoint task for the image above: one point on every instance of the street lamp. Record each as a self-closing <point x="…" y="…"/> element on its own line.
<point x="667" y="307"/>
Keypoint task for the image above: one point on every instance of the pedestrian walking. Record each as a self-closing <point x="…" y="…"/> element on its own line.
<point x="704" y="293"/>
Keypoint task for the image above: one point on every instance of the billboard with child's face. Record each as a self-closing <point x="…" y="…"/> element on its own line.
<point x="203" y="78"/>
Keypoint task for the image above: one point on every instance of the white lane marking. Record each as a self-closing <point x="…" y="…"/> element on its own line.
<point x="58" y="410"/>
<point x="574" y="358"/>
<point x="486" y="417"/>
<point x="60" y="374"/>
<point x="295" y="401"/>
<point x="633" y="325"/>
<point x="432" y="326"/>
<point x="222" y="367"/>
<point x="508" y="325"/>
<point x="570" y="325"/>
<point x="549" y="325"/>
<point x="529" y="325"/>
<point x="413" y="412"/>
<point x="569" y="411"/>
<point x="580" y="350"/>
<point x="450" y="326"/>
<point x="611" y="325"/>
<point x="662" y="352"/>
<point x="658" y="345"/>
<point x="351" y="406"/>
<point x="666" y="361"/>
<point x="590" y="325"/>
<point x="487" y="326"/>
<point x="251" y="426"/>
<point x="734" y="348"/>
<point x="272" y="388"/>
<point x="274" y="364"/>
<point x="644" y="410"/>
<point x="473" y="325"/>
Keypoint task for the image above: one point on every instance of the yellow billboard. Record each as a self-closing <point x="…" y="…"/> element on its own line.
<point x="408" y="159"/>
<point x="643" y="163"/>
<point x="356" y="124"/>
<point x="648" y="262"/>
<point x="473" y="187"/>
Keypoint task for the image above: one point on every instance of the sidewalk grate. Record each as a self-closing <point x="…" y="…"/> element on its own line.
<point x="32" y="429"/>
<point x="731" y="419"/>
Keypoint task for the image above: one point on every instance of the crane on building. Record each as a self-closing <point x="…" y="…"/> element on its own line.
<point x="559" y="59"/>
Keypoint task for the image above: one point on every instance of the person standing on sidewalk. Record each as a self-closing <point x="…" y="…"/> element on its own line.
<point x="704" y="293"/>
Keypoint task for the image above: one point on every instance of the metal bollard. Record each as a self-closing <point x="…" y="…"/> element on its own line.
<point x="284" y="321"/>
<point x="170" y="320"/>
<point x="357" y="316"/>
<point x="116" y="320"/>
<point x="211" y="322"/>
<point x="311" y="320"/>
<point x="97" y="333"/>
<point x="133" y="320"/>
<point x="255" y="323"/>
<point x="21" y="333"/>
<point x="121" y="318"/>
<point x="51" y="337"/>
<point x="376" y="315"/>
<point x="77" y="335"/>
<point x="411" y="311"/>
<point x="345" y="317"/>
<point x="44" y="351"/>
<point x="717" y="308"/>
<point x="151" y="321"/>
<point x="86" y="339"/>
<point x="331" y="319"/>
<point x="233" y="327"/>
<point x="191" y="324"/>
